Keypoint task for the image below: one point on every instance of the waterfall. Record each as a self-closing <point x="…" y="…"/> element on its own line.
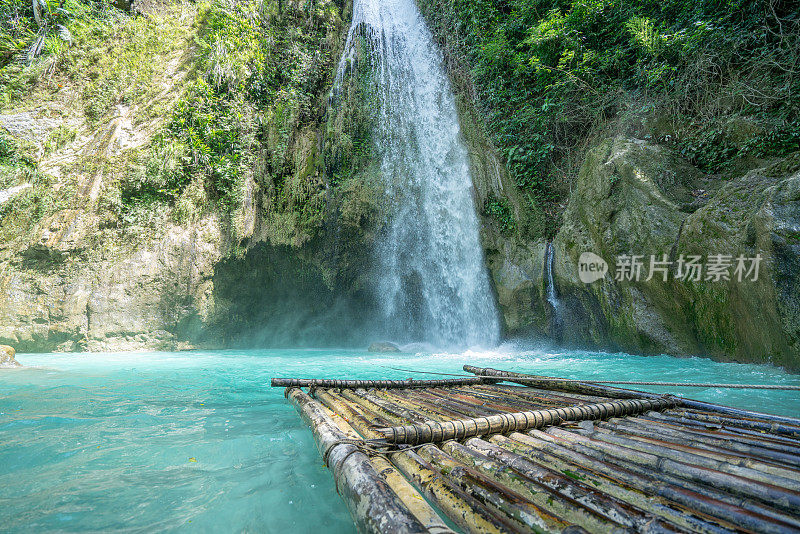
<point x="432" y="282"/>
<point x="550" y="291"/>
<point x="550" y="286"/>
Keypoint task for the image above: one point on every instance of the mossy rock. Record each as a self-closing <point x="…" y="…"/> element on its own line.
<point x="621" y="207"/>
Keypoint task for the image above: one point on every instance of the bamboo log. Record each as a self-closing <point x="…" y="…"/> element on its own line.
<point x="734" y="465"/>
<point x="434" y="431"/>
<point x="410" y="497"/>
<point x="539" y="513"/>
<point x="665" y="465"/>
<point x="586" y="501"/>
<point x="706" y="526"/>
<point x="437" y="411"/>
<point x="464" y="510"/>
<point x="549" y="499"/>
<point x="695" y="523"/>
<point x="493" y="402"/>
<point x="401" y="487"/>
<point x="352" y="384"/>
<point x="716" y="385"/>
<point x="419" y="414"/>
<point x="788" y="429"/>
<point x="595" y="389"/>
<point x="549" y="382"/>
<point x="613" y="478"/>
<point x="754" y="456"/>
<point x="543" y="396"/>
<point x="770" y="441"/>
<point x="496" y="495"/>
<point x="372" y="503"/>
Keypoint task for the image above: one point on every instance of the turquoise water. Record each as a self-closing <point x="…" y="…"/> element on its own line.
<point x="107" y="441"/>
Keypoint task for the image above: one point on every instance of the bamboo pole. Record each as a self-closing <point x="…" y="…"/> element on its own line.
<point x="547" y="396"/>
<point x="789" y="429"/>
<point x="595" y="389"/>
<point x="648" y="462"/>
<point x="501" y="499"/>
<point x="549" y="382"/>
<point x="716" y="385"/>
<point x="703" y="508"/>
<point x="497" y="495"/>
<point x="703" y="488"/>
<point x="679" y="518"/>
<point x="577" y="493"/>
<point x="495" y="403"/>
<point x="411" y="497"/>
<point x="434" y="431"/>
<point x="771" y="441"/>
<point x="735" y="465"/>
<point x="462" y="509"/>
<point x="467" y="512"/>
<point x="749" y="455"/>
<point x="372" y="503"/>
<point x="551" y="499"/>
<point x="437" y="411"/>
<point x="352" y="384"/>
<point x="402" y="488"/>
<point x="707" y="528"/>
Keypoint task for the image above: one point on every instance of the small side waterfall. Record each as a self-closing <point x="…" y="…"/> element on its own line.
<point x="550" y="291"/>
<point x="549" y="284"/>
<point x="432" y="281"/>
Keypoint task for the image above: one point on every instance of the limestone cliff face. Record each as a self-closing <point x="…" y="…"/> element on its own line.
<point x="633" y="198"/>
<point x="82" y="270"/>
<point x="62" y="293"/>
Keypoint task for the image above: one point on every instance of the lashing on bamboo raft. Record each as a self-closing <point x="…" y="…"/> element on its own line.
<point x="509" y="452"/>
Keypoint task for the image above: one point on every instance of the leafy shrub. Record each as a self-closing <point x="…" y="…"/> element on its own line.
<point x="499" y="210"/>
<point x="550" y="74"/>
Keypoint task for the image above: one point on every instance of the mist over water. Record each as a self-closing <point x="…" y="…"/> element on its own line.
<point x="431" y="283"/>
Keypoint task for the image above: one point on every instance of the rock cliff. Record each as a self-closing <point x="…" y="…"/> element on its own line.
<point x="638" y="199"/>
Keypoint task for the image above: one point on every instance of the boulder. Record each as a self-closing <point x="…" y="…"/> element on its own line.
<point x="7" y="354"/>
<point x="383" y="346"/>
<point x="635" y="198"/>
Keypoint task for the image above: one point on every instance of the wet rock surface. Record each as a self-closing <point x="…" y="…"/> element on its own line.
<point x="7" y="354"/>
<point x="383" y="346"/>
<point x="627" y="202"/>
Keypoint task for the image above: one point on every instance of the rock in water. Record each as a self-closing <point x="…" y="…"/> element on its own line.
<point x="383" y="346"/>
<point x="7" y="357"/>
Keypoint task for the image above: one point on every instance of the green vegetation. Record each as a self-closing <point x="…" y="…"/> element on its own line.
<point x="500" y="211"/>
<point x="348" y="136"/>
<point x="58" y="138"/>
<point x="259" y="73"/>
<point x="551" y="75"/>
<point x="17" y="162"/>
<point x="106" y="52"/>
<point x="251" y="76"/>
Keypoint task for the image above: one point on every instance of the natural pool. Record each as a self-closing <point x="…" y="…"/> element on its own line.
<point x="198" y="441"/>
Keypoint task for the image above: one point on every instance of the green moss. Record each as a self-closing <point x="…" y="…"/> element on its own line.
<point x="58" y="138"/>
<point x="349" y="146"/>
<point x="20" y="214"/>
<point x="500" y="211"/>
<point x="17" y="162"/>
<point x="111" y="55"/>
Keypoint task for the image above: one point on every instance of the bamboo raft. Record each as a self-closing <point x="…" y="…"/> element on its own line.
<point x="507" y="452"/>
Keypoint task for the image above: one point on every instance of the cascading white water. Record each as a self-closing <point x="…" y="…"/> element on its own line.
<point x="432" y="282"/>
<point x="556" y="325"/>
<point x="550" y="286"/>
